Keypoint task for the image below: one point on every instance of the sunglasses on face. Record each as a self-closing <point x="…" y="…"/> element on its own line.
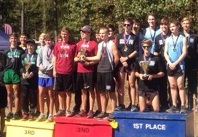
<point x="144" y="47"/>
<point x="127" y="25"/>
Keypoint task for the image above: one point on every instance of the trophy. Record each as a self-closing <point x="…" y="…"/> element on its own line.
<point x="27" y="66"/>
<point x="82" y="53"/>
<point x="144" y="65"/>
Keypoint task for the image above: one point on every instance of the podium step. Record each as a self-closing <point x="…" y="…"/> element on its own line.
<point x="19" y="128"/>
<point x="82" y="127"/>
<point x="151" y="124"/>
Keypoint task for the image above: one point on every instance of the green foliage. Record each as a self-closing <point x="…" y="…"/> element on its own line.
<point x="40" y="15"/>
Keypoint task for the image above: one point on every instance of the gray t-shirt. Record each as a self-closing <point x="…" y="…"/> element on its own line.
<point x="44" y="61"/>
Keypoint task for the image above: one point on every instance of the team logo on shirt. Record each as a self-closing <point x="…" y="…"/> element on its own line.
<point x="131" y="41"/>
<point x="192" y="40"/>
<point x="122" y="41"/>
<point x="108" y="87"/>
<point x="161" y="42"/>
<point x="63" y="53"/>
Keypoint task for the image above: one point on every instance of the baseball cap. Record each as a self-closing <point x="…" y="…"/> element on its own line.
<point x="31" y="41"/>
<point x="86" y="28"/>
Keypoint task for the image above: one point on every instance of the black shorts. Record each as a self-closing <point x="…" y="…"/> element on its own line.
<point x="84" y="81"/>
<point x="147" y="94"/>
<point x="176" y="72"/>
<point x="94" y="77"/>
<point x="105" y="82"/>
<point x="95" y="74"/>
<point x="63" y="82"/>
<point x="3" y="97"/>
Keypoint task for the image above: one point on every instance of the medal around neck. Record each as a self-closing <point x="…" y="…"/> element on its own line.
<point x="144" y="65"/>
<point x="82" y="53"/>
<point x="125" y="49"/>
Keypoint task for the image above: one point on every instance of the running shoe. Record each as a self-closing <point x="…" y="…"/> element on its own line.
<point x="183" y="110"/>
<point x="9" y="115"/>
<point x="90" y="114"/>
<point x="60" y="113"/>
<point x="69" y="113"/>
<point x="134" y="108"/>
<point x="121" y="107"/>
<point x="41" y="117"/>
<point x="101" y="115"/>
<point x="173" y="109"/>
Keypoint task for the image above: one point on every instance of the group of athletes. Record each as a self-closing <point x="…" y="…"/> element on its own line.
<point x="155" y="63"/>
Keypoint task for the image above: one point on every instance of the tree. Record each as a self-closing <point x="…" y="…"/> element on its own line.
<point x="40" y="15"/>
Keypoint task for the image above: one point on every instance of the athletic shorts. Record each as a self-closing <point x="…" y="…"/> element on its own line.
<point x="64" y="82"/>
<point x="84" y="81"/>
<point x="176" y="72"/>
<point x="95" y="74"/>
<point x="105" y="82"/>
<point x="149" y="95"/>
<point x="45" y="82"/>
<point x="94" y="77"/>
<point x="11" y="77"/>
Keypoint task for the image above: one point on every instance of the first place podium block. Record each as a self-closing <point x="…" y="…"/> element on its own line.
<point x="19" y="128"/>
<point x="151" y="124"/>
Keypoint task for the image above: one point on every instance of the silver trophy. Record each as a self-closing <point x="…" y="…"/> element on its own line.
<point x="144" y="65"/>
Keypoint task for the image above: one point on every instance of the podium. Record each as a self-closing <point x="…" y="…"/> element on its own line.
<point x="151" y="124"/>
<point x="19" y="128"/>
<point x="81" y="127"/>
